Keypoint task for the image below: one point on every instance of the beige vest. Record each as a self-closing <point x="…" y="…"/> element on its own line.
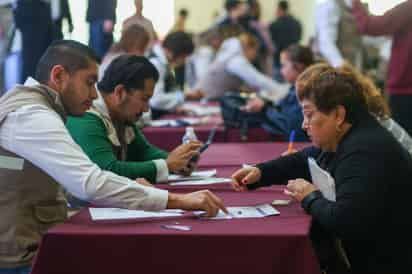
<point x="217" y="80"/>
<point x="349" y="40"/>
<point x="30" y="201"/>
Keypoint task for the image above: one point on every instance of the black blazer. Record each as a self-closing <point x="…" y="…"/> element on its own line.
<point x="373" y="209"/>
<point x="101" y="10"/>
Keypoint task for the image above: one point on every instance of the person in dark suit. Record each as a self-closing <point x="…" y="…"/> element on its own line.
<point x="33" y="19"/>
<point x="284" y="31"/>
<point x="368" y="220"/>
<point x="63" y="13"/>
<point x="101" y="15"/>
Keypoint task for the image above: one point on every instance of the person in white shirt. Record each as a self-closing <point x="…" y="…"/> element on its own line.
<point x="337" y="39"/>
<point x="167" y="56"/>
<point x="232" y="68"/>
<point x="37" y="156"/>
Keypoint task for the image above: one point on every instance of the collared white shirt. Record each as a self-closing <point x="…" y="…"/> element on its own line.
<point x="100" y="109"/>
<point x="240" y="66"/>
<point x="328" y="16"/>
<point x="163" y="99"/>
<point x="38" y="135"/>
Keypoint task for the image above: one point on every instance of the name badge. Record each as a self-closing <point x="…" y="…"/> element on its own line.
<point x="11" y="163"/>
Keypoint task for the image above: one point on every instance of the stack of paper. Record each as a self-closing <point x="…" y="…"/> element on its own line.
<point x="100" y="214"/>
<point x="196" y="175"/>
<point x="322" y="180"/>
<point x="259" y="211"/>
<point x="206" y="181"/>
<point x="175" y="123"/>
<point x="200" y="110"/>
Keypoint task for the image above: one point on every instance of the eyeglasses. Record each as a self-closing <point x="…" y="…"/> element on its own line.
<point x="309" y="116"/>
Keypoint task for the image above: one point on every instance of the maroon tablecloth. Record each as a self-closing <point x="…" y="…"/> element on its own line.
<point x="168" y="138"/>
<point x="277" y="244"/>
<point x="236" y="154"/>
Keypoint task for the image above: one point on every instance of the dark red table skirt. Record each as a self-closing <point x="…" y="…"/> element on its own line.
<point x="168" y="138"/>
<point x="277" y="244"/>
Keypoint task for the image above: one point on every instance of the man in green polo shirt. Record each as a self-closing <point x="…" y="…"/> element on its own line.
<point x="107" y="132"/>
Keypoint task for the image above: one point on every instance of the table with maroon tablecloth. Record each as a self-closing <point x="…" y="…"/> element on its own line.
<point x="277" y="244"/>
<point x="168" y="138"/>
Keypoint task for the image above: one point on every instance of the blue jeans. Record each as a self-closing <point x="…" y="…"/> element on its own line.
<point x="18" y="270"/>
<point x="99" y="40"/>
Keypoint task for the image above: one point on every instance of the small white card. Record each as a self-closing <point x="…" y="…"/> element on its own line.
<point x="196" y="175"/>
<point x="206" y="181"/>
<point x="240" y="212"/>
<point x="100" y="214"/>
<point x="322" y="180"/>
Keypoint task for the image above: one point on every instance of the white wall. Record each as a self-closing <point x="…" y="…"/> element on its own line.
<point x="203" y="11"/>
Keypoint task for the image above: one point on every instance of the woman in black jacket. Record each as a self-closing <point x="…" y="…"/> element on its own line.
<point x="370" y="215"/>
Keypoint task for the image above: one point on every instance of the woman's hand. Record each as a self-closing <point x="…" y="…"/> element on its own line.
<point x="244" y="177"/>
<point x="298" y="189"/>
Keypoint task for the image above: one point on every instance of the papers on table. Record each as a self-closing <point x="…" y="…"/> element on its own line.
<point x="206" y="181"/>
<point x="175" y="123"/>
<point x="240" y="212"/>
<point x="100" y="214"/>
<point x="322" y="180"/>
<point x="196" y="175"/>
<point x="200" y="110"/>
<point x="197" y="178"/>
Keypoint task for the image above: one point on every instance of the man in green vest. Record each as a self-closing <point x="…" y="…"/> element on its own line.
<point x="38" y="157"/>
<point x="107" y="132"/>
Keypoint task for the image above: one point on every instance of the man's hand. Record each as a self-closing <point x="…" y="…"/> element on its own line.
<point x="194" y="95"/>
<point x="254" y="105"/>
<point x="191" y="166"/>
<point x="244" y="177"/>
<point x="108" y="26"/>
<point x="144" y="182"/>
<point x="200" y="200"/>
<point x="179" y="158"/>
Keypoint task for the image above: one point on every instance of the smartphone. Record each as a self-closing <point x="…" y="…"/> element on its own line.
<point x="206" y="144"/>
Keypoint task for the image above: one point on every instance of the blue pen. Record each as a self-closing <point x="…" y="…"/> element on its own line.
<point x="291" y="140"/>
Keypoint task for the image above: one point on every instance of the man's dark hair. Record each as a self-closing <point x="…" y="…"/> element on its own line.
<point x="283" y="5"/>
<point x="183" y="12"/>
<point x="231" y="4"/>
<point x="179" y="43"/>
<point x="72" y="55"/>
<point x="131" y="71"/>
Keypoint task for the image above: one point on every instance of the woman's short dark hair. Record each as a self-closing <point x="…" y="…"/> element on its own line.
<point x="332" y="88"/>
<point x="179" y="43"/>
<point x="72" y="55"/>
<point x="300" y="55"/>
<point x="131" y="71"/>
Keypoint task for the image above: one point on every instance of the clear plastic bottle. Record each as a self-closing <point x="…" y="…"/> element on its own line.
<point x="190" y="135"/>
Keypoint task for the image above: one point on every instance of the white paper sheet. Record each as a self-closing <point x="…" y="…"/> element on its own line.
<point x="100" y="214"/>
<point x="207" y="181"/>
<point x="240" y="212"/>
<point x="322" y="180"/>
<point x="196" y="175"/>
<point x="200" y="110"/>
<point x="174" y="123"/>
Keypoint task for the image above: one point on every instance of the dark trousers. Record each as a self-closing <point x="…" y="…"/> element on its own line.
<point x="35" y="41"/>
<point x="99" y="40"/>
<point x="33" y="19"/>
<point x="401" y="106"/>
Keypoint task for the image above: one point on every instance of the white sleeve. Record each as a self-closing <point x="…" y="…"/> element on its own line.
<point x="161" y="99"/>
<point x="327" y="21"/>
<point x="162" y="171"/>
<point x="39" y="135"/>
<point x="242" y="68"/>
